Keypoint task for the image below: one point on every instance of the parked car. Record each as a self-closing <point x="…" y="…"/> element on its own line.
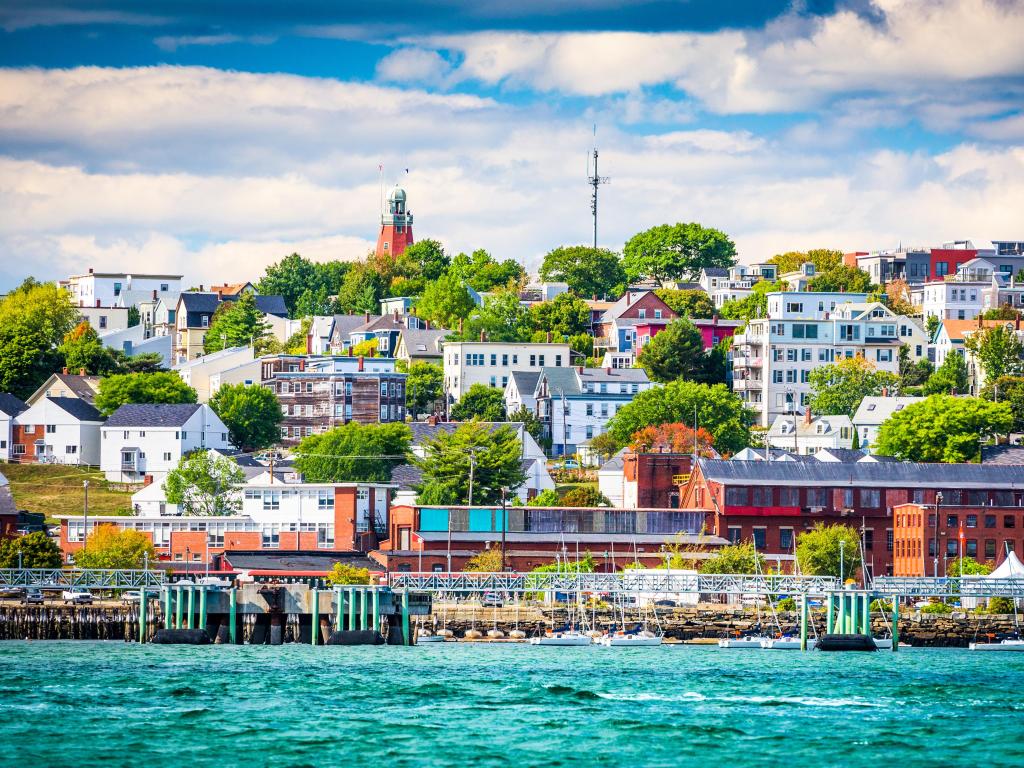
<point x="77" y="597"/>
<point x="492" y="600"/>
<point x="12" y="593"/>
<point x="32" y="596"/>
<point x="131" y="597"/>
<point x="567" y="464"/>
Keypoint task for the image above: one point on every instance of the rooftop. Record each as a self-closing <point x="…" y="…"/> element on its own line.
<point x="152" y="415"/>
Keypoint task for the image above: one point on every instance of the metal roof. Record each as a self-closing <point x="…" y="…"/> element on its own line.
<point x="152" y="415"/>
<point x="1002" y="455"/>
<point x="11" y="405"/>
<point x="296" y="561"/>
<point x="78" y="408"/>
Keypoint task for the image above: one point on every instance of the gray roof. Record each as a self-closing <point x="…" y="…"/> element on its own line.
<point x="526" y="381"/>
<point x="11" y="405"/>
<point x="407" y="476"/>
<point x="297" y="561"/>
<point x="423" y="431"/>
<point x="272" y="305"/>
<point x="200" y="302"/>
<point x="152" y="415"/>
<point x="78" y="408"/>
<point x="715" y="271"/>
<point x="842" y="455"/>
<point x="345" y="324"/>
<point x="900" y="474"/>
<point x="616" y="463"/>
<point x="875" y="409"/>
<point x="1002" y="455"/>
<point x="415" y="337"/>
<point x="567" y="381"/>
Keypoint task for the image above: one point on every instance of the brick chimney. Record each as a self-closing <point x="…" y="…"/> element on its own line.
<point x="359" y="363"/>
<point x="65" y="371"/>
<point x="460" y="325"/>
<point x="1016" y="323"/>
<point x="154" y="294"/>
<point x="396" y="315"/>
<point x="201" y="288"/>
<point x="98" y="303"/>
<point x="427" y="324"/>
<point x="807" y="415"/>
<point x="367" y="316"/>
<point x="302" y="364"/>
<point x="549" y="337"/>
<point x="483" y="335"/>
<point x="885" y="391"/>
<point x="90" y="270"/>
<point x="81" y="372"/>
<point x="979" y="320"/>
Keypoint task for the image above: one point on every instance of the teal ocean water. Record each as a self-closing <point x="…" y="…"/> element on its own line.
<point x="115" y="704"/>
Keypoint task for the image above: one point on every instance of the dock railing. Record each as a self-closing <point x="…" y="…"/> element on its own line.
<point x="81" y="578"/>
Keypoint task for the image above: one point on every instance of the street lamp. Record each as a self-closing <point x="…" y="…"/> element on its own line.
<point x="935" y="559"/>
<point x="504" y="525"/>
<point x="842" y="557"/>
<point x="85" y="514"/>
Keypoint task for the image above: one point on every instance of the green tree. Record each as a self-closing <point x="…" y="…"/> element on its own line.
<point x="687" y="303"/>
<point x="343" y="573"/>
<point x="677" y="352"/>
<point x="838" y="388"/>
<point x="530" y="421"/>
<point x="493" y="457"/>
<point x="480" y="271"/>
<point x="33" y="550"/>
<point x="429" y="259"/>
<point x="82" y="349"/>
<point x="565" y="315"/>
<point x="585" y="496"/>
<point x="1010" y="390"/>
<point x="931" y="325"/>
<point x="487" y="560"/>
<point x="362" y="289"/>
<point x="818" y="550"/>
<point x="547" y="498"/>
<point x="951" y="376"/>
<point x="236" y="324"/>
<point x="134" y="318"/>
<point x="110" y="547"/>
<point x="754" y="305"/>
<point x="587" y="271"/>
<point x="913" y="374"/>
<point x="314" y="302"/>
<point x="676" y="252"/>
<point x="968" y="566"/>
<point x="942" y="428"/>
<point x="604" y="445"/>
<point x="822" y="258"/>
<point x="163" y="387"/>
<point x="367" y="348"/>
<point x="842" y="278"/>
<point x="717" y="410"/>
<point x="445" y="301"/>
<point x="480" y="402"/>
<point x="147" y="362"/>
<point x="502" y="318"/>
<point x="205" y="484"/>
<point x="734" y="558"/>
<point x="585" y="564"/>
<point x="997" y="350"/>
<point x="1003" y="312"/>
<point x="305" y="285"/>
<point x="354" y="453"/>
<point x="424" y="387"/>
<point x="34" y="318"/>
<point x="251" y="413"/>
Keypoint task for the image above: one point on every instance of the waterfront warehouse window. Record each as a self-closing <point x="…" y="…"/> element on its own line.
<point x="620" y="522"/>
<point x="888" y="539"/>
<point x="735" y="534"/>
<point x="977" y="498"/>
<point x="760" y="537"/>
<point x="271" y="535"/>
<point x="789" y="497"/>
<point x="785" y="539"/>
<point x="869" y="538"/>
<point x="971" y="548"/>
<point x="990" y="549"/>
<point x="325" y="499"/>
<point x="931" y="547"/>
<point x="931" y="520"/>
<point x="847" y="498"/>
<point x="1009" y="521"/>
<point x="870" y="497"/>
<point x="972" y="521"/>
<point x="737" y="496"/>
<point x="1002" y="498"/>
<point x="952" y="521"/>
<point x="762" y="497"/>
<point x="990" y="521"/>
<point x="817" y="497"/>
<point x="1008" y="545"/>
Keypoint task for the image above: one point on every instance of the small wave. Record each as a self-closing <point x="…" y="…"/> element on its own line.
<point x="805" y="701"/>
<point x="184" y="690"/>
<point x="687" y="696"/>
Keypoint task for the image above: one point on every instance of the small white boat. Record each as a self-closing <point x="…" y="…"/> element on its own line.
<point x="562" y="638"/>
<point x="429" y="639"/>
<point x="1002" y="645"/>
<point x="786" y="643"/>
<point x="883" y="643"/>
<point x="753" y="641"/>
<point x="636" y="640"/>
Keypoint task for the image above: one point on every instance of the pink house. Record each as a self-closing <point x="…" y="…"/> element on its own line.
<point x="712" y="331"/>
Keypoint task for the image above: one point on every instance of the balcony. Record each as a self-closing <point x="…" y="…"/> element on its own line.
<point x="746" y="385"/>
<point x="746" y="361"/>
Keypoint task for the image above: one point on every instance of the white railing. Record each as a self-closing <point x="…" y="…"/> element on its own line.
<point x="87" y="578"/>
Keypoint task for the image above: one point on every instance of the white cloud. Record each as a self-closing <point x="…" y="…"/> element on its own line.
<point x="172" y="43"/>
<point x="413" y="65"/>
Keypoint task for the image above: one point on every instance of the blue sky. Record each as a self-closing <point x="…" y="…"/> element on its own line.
<point x="214" y="139"/>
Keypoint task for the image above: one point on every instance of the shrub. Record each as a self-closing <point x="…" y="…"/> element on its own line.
<point x="786" y="604"/>
<point x="937" y="608"/>
<point x="883" y="606"/>
<point x="999" y="605"/>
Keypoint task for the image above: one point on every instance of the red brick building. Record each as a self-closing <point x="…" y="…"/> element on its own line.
<point x="395" y="226"/>
<point x="656" y="478"/>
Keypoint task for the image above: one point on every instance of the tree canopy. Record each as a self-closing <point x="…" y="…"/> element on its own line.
<point x="677" y="352"/>
<point x="1010" y="390"/>
<point x="344" y="573"/>
<point x="502" y="318"/>
<point x="718" y="410"/>
<point x="424" y="387"/>
<point x="205" y="484"/>
<point x="942" y="428"/>
<point x="236" y="324"/>
<point x="676" y="252"/>
<point x="842" y="278"/>
<point x="997" y="349"/>
<point x="445" y="301"/>
<point x="161" y="387"/>
<point x="587" y="271"/>
<point x="838" y="389"/>
<point x="480" y="402"/>
<point x="818" y="551"/>
<point x="33" y="550"/>
<point x="687" y="303"/>
<point x="354" y="453"/>
<point x="950" y="377"/>
<point x="734" y="558"/>
<point x="251" y="413"/>
<point x="565" y="315"/>
<point x="305" y="285"/>
<point x="822" y="258"/>
<point x="34" y="319"/>
<point x="483" y="273"/>
<point x="495" y="456"/>
<point x="82" y="349"/>
<point x="672" y="438"/>
<point x="110" y="547"/>
<point x="429" y="258"/>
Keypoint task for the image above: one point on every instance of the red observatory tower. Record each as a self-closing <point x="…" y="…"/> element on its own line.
<point x="395" y="226"/>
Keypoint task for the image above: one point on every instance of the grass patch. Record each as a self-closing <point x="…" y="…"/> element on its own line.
<point x="57" y="490"/>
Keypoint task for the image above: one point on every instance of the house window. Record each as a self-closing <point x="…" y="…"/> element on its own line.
<point x="205" y="321"/>
<point x="533" y="361"/>
<point x="785" y="539"/>
<point x="990" y="521"/>
<point x="70" y="449"/>
<point x="641" y="313"/>
<point x="51" y="429"/>
<point x="167" y="456"/>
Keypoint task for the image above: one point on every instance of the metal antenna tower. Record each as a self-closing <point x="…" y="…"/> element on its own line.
<point x="594" y="180"/>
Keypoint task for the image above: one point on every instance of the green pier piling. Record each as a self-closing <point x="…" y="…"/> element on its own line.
<point x="364" y="598"/>
<point x="190" y="615"/>
<point x="143" y="600"/>
<point x="179" y="603"/>
<point x="339" y="610"/>
<point x="350" y="598"/>
<point x="841" y="629"/>
<point x="854" y="614"/>
<point x="828" y="613"/>
<point x="233" y="617"/>
<point x="315" y="626"/>
<point x="803" y="622"/>
<point x="895" y="623"/>
<point x="866" y="619"/>
<point x="405" y="617"/>
<point x="202" y="608"/>
<point x="376" y="611"/>
<point x="167" y="607"/>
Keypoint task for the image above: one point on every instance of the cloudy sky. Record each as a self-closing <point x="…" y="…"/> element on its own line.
<point x="213" y="141"/>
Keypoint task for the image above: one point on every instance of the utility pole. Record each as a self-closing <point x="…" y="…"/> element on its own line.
<point x="504" y="525"/>
<point x="85" y="528"/>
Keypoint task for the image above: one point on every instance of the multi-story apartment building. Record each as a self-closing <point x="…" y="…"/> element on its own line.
<point x="575" y="404"/>
<point x="320" y="393"/>
<point x="919" y="265"/>
<point x="491" y="362"/>
<point x="774" y="356"/>
<point x="115" y="289"/>
<point x="953" y="299"/>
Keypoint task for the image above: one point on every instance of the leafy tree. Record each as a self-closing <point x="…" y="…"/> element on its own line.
<point x="362" y="289"/>
<point x="588" y="271"/>
<point x="305" y="285"/>
<point x="82" y="348"/>
<point x="838" y="388"/>
<point x="822" y="258"/>
<point x="486" y="561"/>
<point x="480" y="271"/>
<point x="585" y="564"/>
<point x="687" y="303"/>
<point x="1004" y="312"/>
<point x="951" y="376"/>
<point x="354" y="453"/>
<point x="585" y="496"/>
<point x="236" y="324"/>
<point x="913" y="374"/>
<point x="445" y="301"/>
<point x="33" y="550"/>
<point x="818" y="550"/>
<point x="1010" y="390"/>
<point x="897" y="298"/>
<point x="931" y="325"/>
<point x="110" y="547"/>
<point x="343" y="573"/>
<point x="677" y="352"/>
<point x="968" y="566"/>
<point x="366" y="348"/>
<point x="942" y="428"/>
<point x="429" y="258"/>
<point x="147" y="362"/>
<point x="842" y="278"/>
<point x="314" y="302"/>
<point x="734" y="558"/>
<point x="672" y="438"/>
<point x="502" y="318"/>
<point x="530" y="422"/>
<point x="495" y="456"/>
<point x="162" y="387"/>
<point x="998" y="351"/>
<point x="205" y="484"/>
<point x="547" y="498"/>
<point x="718" y="410"/>
<point x="565" y="315"/>
<point x="582" y="343"/>
<point x="251" y="413"/>
<point x="424" y="387"/>
<point x="604" y="445"/>
<point x="480" y="402"/>
<point x="134" y="318"/>
<point x="34" y="318"/>
<point x="754" y="305"/>
<point x="676" y="252"/>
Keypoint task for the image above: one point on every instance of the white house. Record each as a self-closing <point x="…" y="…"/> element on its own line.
<point x="244" y="373"/>
<point x="10" y="407"/>
<point x="141" y="441"/>
<point x="810" y="434"/>
<point x="105" y="319"/>
<point x="953" y="299"/>
<point x="873" y="411"/>
<point x="520" y="391"/>
<point x="197" y="371"/>
<point x="491" y="362"/>
<point x="58" y="430"/>
<point x="108" y="288"/>
<point x="611" y="479"/>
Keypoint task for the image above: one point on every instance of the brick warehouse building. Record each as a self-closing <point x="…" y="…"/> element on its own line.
<point x="771" y="502"/>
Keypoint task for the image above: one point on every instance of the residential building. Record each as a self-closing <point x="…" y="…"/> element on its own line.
<point x="197" y="372"/>
<point x="194" y="313"/>
<point x="712" y="331"/>
<point x="425" y="431"/>
<point x="57" y="430"/>
<point x="132" y="341"/>
<point x="104" y="319"/>
<point x="611" y="479"/>
<point x="246" y="374"/>
<point x="109" y="289"/>
<point x="976" y="376"/>
<point x="10" y="407"/>
<point x="421" y="345"/>
<point x="770" y="502"/>
<point x="66" y="384"/>
<point x="143" y="442"/>
<point x="395" y="225"/>
<point x="950" y="335"/>
<point x="320" y="393"/>
<point x="800" y="278"/>
<point x="952" y="299"/>
<point x="616" y="331"/>
<point x="575" y="404"/>
<point x="521" y="391"/>
<point x="491" y="362"/>
<point x="873" y="412"/>
<point x="806" y="435"/>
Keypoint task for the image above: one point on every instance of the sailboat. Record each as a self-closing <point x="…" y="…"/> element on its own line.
<point x="785" y="642"/>
<point x="574" y="632"/>
<point x="1011" y="567"/>
<point x="640" y="636"/>
<point x="755" y="636"/>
